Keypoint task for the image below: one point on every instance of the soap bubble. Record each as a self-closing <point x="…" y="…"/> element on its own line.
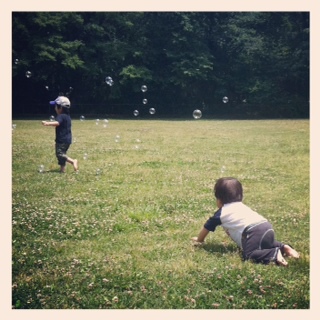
<point x="137" y="142"/>
<point x="225" y="99"/>
<point x="197" y="114"/>
<point x="16" y="61"/>
<point x="135" y="113"/>
<point x="145" y="101"/>
<point x="152" y="110"/>
<point x="47" y="88"/>
<point x="52" y="118"/>
<point x="82" y="118"/>
<point x="41" y="168"/>
<point x="144" y="88"/>
<point x="97" y="121"/>
<point x="117" y="138"/>
<point x="85" y="156"/>
<point x="14" y="126"/>
<point x="109" y="81"/>
<point x="28" y="74"/>
<point x="105" y="123"/>
<point x="98" y="171"/>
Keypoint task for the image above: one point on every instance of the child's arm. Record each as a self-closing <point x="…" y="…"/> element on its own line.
<point x="202" y="235"/>
<point x="50" y="123"/>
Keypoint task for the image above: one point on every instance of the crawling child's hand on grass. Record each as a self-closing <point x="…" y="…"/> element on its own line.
<point x="196" y="241"/>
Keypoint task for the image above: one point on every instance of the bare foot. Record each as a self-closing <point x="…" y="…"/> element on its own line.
<point x="290" y="252"/>
<point x="280" y="259"/>
<point x="75" y="165"/>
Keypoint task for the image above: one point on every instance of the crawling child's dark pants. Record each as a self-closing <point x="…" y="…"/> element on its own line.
<point x="259" y="244"/>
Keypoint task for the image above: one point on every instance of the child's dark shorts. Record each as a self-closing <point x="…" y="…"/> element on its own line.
<point x="61" y="153"/>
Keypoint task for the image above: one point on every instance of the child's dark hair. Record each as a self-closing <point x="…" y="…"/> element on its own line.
<point x="64" y="109"/>
<point x="228" y="190"/>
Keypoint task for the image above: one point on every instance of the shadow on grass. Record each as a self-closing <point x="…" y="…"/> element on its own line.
<point x="52" y="171"/>
<point x="220" y="248"/>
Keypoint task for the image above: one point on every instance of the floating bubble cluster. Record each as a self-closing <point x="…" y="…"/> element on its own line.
<point x="109" y="81"/>
<point x="197" y="114"/>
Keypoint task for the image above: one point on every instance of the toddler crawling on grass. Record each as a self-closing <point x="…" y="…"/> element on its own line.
<point x="251" y="231"/>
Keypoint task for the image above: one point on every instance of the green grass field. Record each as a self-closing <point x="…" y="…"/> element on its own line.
<point x="117" y="234"/>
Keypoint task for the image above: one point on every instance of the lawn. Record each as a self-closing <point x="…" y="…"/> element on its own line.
<point x="116" y="235"/>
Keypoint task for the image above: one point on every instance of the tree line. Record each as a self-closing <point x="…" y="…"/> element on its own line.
<point x="187" y="60"/>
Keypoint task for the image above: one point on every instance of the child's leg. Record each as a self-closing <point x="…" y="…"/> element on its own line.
<point x="60" y="154"/>
<point x="275" y="254"/>
<point x="74" y="162"/>
<point x="280" y="259"/>
<point x="286" y="249"/>
<point x="266" y="256"/>
<point x="260" y="246"/>
<point x="290" y="252"/>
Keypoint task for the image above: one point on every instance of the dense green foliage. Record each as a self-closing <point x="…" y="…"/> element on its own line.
<point x="117" y="234"/>
<point x="188" y="60"/>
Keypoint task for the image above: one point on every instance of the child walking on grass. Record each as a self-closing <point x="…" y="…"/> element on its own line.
<point x="63" y="139"/>
<point x="251" y="231"/>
